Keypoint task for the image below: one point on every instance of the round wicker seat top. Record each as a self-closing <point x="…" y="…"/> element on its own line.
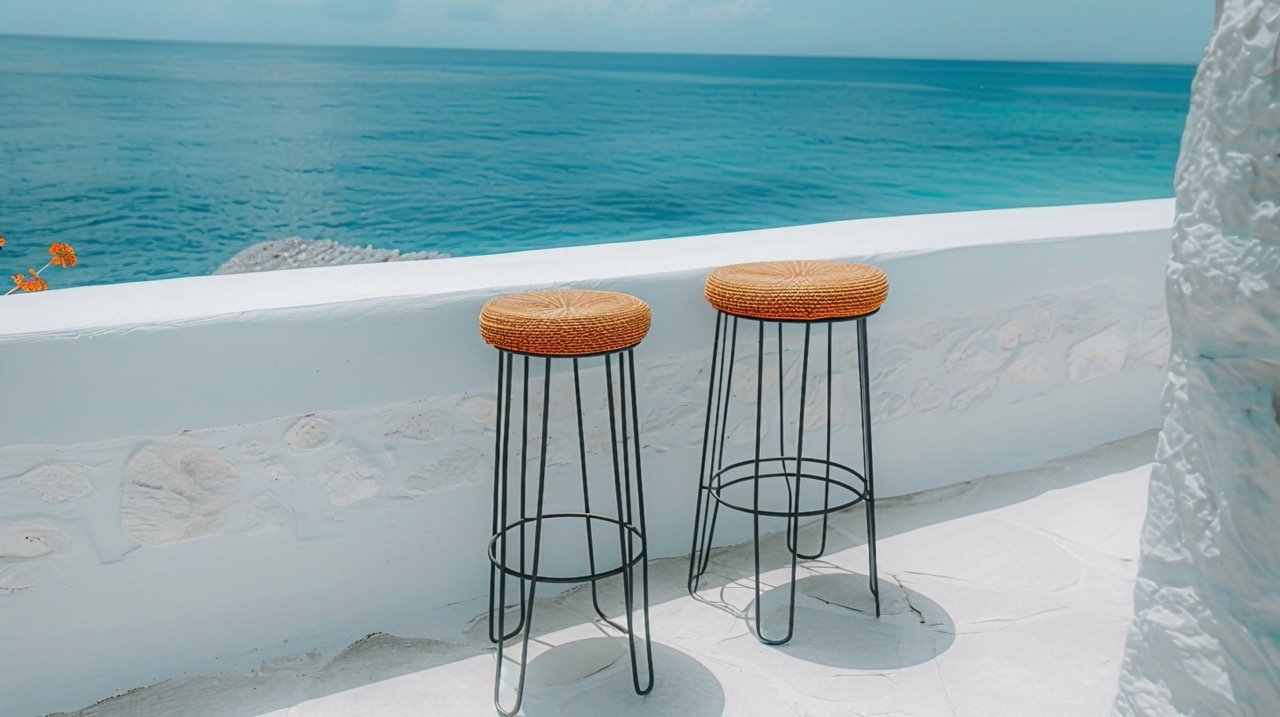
<point x="571" y="322"/>
<point x="797" y="290"/>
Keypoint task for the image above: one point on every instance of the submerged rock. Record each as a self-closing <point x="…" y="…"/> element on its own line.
<point x="298" y="253"/>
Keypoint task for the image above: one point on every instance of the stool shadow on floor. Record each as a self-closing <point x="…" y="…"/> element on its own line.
<point x="727" y="583"/>
<point x="593" y="677"/>
<point x="836" y="623"/>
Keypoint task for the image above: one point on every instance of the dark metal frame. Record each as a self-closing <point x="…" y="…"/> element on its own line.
<point x="715" y="476"/>
<point x="629" y="504"/>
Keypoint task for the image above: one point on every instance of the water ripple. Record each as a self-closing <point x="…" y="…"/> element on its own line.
<point x="162" y="159"/>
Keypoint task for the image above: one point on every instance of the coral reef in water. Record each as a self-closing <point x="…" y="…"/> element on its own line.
<point x="298" y="253"/>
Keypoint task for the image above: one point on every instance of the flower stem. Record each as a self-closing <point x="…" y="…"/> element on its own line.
<point x="46" y="266"/>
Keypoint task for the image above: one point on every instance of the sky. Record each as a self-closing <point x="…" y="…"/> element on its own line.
<point x="1156" y="31"/>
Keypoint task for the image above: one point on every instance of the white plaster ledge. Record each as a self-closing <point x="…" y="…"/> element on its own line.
<point x="169" y="301"/>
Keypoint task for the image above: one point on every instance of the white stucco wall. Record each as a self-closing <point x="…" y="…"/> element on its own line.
<point x="201" y="474"/>
<point x="1206" y="633"/>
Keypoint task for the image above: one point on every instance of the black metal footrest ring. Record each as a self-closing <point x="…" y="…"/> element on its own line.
<point x="844" y="495"/>
<point x="587" y="518"/>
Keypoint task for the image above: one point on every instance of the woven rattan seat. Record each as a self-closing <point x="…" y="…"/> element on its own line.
<point x="564" y="323"/>
<point x="797" y="290"/>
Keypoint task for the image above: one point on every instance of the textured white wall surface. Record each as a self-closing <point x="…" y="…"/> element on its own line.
<point x="1206" y="634"/>
<point x="223" y="470"/>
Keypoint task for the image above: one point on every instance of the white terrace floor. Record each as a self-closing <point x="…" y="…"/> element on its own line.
<point x="1006" y="596"/>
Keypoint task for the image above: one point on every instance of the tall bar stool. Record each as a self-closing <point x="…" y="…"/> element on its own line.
<point x="784" y="293"/>
<point x="582" y="327"/>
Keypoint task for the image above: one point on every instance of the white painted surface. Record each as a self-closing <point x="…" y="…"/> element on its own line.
<point x="104" y="308"/>
<point x="1006" y="596"/>
<point x="207" y="481"/>
<point x="1206" y="637"/>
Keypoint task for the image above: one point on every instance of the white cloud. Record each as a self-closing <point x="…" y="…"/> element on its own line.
<point x="358" y="9"/>
<point x="633" y="12"/>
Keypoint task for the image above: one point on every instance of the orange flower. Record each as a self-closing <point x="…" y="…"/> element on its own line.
<point x="30" y="283"/>
<point x="63" y="255"/>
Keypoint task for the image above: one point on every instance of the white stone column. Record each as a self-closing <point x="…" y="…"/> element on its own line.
<point x="1206" y="633"/>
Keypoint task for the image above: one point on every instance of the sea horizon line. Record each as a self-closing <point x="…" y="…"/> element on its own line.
<point x="544" y="51"/>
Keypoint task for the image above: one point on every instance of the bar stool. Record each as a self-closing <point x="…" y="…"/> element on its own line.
<point x="784" y="293"/>
<point x="579" y="326"/>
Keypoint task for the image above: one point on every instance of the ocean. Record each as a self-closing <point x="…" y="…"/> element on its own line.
<point x="159" y="160"/>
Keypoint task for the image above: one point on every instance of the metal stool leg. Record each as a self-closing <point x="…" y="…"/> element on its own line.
<point x="629" y="548"/>
<point x="502" y="444"/>
<point x="826" y="490"/>
<point x="586" y="498"/>
<point x="793" y="489"/>
<point x="503" y="406"/>
<point x="526" y="618"/>
<point x="713" y="440"/>
<point x="864" y="377"/>
<point x="792" y="521"/>
<point x="622" y="500"/>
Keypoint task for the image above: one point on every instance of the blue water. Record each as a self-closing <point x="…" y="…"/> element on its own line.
<point x="164" y="159"/>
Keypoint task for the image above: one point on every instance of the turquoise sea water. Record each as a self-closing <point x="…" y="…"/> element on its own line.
<point x="164" y="159"/>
